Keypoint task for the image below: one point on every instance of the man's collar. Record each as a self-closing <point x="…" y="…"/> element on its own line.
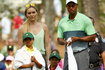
<point x="74" y="18"/>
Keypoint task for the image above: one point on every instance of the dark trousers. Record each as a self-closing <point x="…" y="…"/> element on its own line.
<point x="82" y="59"/>
<point x="44" y="56"/>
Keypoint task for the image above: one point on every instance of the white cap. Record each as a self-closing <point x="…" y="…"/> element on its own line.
<point x="11" y="58"/>
<point x="75" y="1"/>
<point x="1" y="57"/>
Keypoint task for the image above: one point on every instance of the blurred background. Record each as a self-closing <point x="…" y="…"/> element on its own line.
<point x="51" y="11"/>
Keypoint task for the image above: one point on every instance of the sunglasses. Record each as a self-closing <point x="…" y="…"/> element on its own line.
<point x="30" y="5"/>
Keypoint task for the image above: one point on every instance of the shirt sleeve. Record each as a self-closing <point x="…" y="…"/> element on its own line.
<point x="60" y="30"/>
<point x="89" y="28"/>
<point x="18" y="60"/>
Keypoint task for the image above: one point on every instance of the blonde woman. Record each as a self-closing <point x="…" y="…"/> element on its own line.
<point x="40" y="30"/>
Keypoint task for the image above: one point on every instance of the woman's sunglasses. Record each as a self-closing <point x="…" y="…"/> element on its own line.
<point x="29" y="5"/>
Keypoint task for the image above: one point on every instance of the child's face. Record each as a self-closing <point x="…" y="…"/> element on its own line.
<point x="54" y="61"/>
<point x="8" y="62"/>
<point x="11" y="53"/>
<point x="28" y="41"/>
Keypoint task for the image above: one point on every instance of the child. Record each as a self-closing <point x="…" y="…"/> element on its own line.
<point x="28" y="57"/>
<point x="61" y="61"/>
<point x="54" y="61"/>
<point x="9" y="49"/>
<point x="9" y="62"/>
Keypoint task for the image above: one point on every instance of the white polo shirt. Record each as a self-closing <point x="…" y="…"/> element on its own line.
<point x="23" y="57"/>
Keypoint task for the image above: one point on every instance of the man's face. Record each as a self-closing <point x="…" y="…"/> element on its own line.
<point x="72" y="8"/>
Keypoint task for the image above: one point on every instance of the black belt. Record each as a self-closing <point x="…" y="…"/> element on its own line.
<point x="92" y="65"/>
<point x="80" y="51"/>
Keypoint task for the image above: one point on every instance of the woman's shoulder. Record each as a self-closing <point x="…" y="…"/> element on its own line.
<point x="44" y="26"/>
<point x="23" y="26"/>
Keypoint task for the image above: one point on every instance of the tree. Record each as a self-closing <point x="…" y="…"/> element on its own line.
<point x="49" y="16"/>
<point x="91" y="8"/>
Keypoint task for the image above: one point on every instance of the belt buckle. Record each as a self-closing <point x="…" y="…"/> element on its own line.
<point x="91" y="65"/>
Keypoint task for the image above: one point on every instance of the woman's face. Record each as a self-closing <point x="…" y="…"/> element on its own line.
<point x="31" y="14"/>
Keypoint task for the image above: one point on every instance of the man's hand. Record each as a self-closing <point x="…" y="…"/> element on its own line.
<point x="71" y="40"/>
<point x="74" y="39"/>
<point x="68" y="43"/>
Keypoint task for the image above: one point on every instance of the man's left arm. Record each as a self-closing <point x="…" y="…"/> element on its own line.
<point x="89" y="30"/>
<point x="89" y="38"/>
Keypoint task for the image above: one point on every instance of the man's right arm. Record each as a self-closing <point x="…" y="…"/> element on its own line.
<point x="61" y="41"/>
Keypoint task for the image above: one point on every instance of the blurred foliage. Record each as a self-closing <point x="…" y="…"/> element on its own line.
<point x="63" y="5"/>
<point x="102" y="8"/>
<point x="102" y="16"/>
<point x="6" y="6"/>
